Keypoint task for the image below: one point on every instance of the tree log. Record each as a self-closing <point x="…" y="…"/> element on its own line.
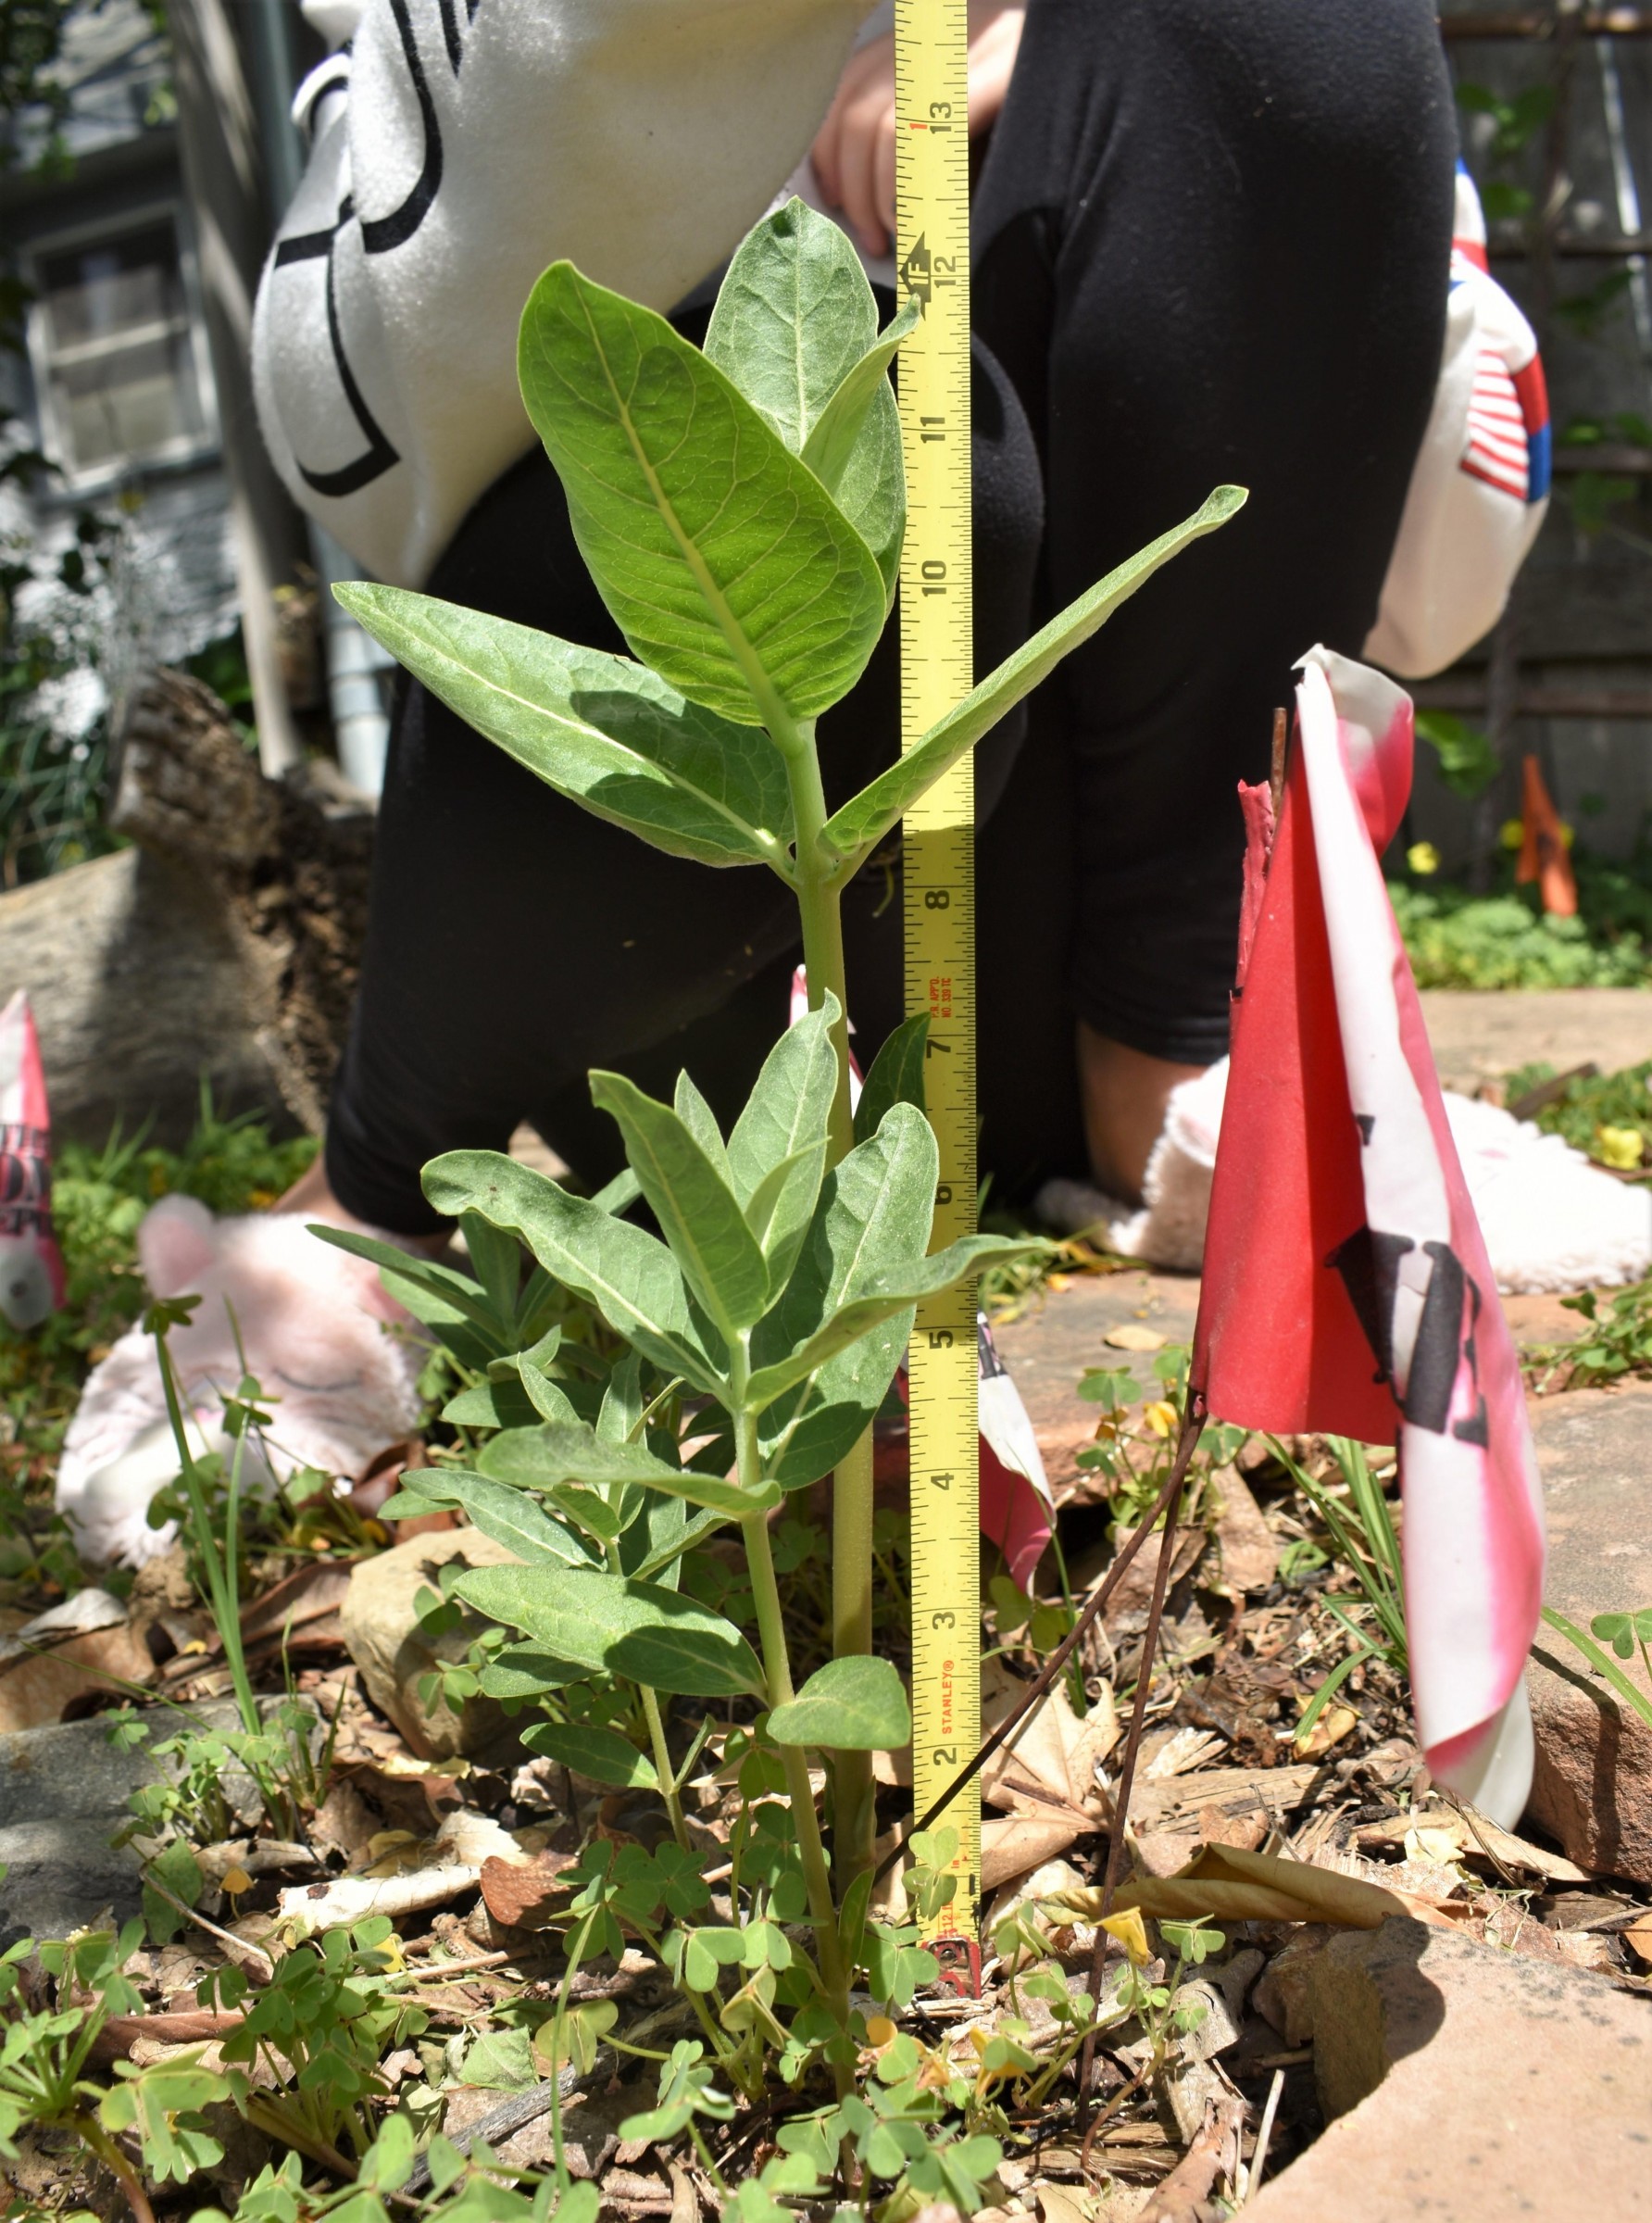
<point x="224" y="943"/>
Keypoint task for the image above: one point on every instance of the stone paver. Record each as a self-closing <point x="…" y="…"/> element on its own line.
<point x="381" y="1631"/>
<point x="1481" y="1034"/>
<point x="1469" y="2086"/>
<point x="1593" y="1785"/>
<point x="1049" y="1346"/>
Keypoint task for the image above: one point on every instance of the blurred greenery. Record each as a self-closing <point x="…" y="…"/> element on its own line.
<point x="1504" y="940"/>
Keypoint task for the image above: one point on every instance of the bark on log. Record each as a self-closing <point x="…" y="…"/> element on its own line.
<point x="224" y="943"/>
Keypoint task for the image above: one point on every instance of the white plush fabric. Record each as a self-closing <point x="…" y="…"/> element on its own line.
<point x="333" y="1355"/>
<point x="458" y="148"/>
<point x="1551" y="1219"/>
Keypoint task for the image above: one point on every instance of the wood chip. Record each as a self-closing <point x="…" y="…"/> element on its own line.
<point x="524" y="1895"/>
<point x="1134" y="1334"/>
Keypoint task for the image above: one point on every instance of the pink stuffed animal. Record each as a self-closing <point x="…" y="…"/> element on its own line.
<point x="336" y="1359"/>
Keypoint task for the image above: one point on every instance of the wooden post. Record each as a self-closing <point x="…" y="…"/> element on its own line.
<point x="224" y="177"/>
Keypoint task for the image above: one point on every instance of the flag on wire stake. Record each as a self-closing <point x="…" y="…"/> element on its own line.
<point x="1346" y="1289"/>
<point x="30" y="1263"/>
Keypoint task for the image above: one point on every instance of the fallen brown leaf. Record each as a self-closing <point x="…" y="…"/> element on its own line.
<point x="523" y="1894"/>
<point x="1638" y="1936"/>
<point x="1235" y="1886"/>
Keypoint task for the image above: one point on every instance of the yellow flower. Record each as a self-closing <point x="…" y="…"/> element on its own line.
<point x="1130" y="1932"/>
<point x="1620" y="1147"/>
<point x="879" y="2031"/>
<point x="1160" y="1417"/>
<point x="1567" y="835"/>
<point x="1422" y="857"/>
<point x="236" y="1881"/>
<point x="1512" y="834"/>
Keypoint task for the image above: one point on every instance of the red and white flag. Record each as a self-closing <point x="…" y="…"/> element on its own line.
<point x="1347" y="1288"/>
<point x="30" y="1263"/>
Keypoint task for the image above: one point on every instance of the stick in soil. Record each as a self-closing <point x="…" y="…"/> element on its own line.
<point x="1094" y="1605"/>
<point x="1193" y="1424"/>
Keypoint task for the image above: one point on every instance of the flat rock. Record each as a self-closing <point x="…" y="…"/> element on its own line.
<point x="1062" y="1333"/>
<point x="1592" y="1787"/>
<point x="62" y="1875"/>
<point x="383" y="1632"/>
<point x="1481" y="1034"/>
<point x="63" y="1794"/>
<point x="1466" y="2082"/>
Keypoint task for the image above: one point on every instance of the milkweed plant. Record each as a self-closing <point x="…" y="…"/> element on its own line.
<point x="741" y="510"/>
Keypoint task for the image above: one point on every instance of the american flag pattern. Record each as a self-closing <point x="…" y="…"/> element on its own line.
<point x="1508" y="445"/>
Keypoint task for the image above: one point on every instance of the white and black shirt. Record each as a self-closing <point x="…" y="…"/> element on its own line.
<point x="457" y="146"/>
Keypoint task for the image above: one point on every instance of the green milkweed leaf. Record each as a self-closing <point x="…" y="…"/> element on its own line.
<point x="721" y="555"/>
<point x="854" y="1705"/>
<point x="556" y="1455"/>
<point x="627" y="1273"/>
<point x="504" y="1513"/>
<point x="605" y="731"/>
<point x="834" y="434"/>
<point x="794" y="315"/>
<point x="697" y="1211"/>
<point x="795" y="328"/>
<point x="526" y="1672"/>
<point x="861" y="825"/>
<point x="845" y="1314"/>
<point x="897" y="1075"/>
<point x="701" y="1122"/>
<point x="622" y="1626"/>
<point x="602" y="1754"/>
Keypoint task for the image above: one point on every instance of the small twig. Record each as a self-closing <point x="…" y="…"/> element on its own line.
<point x="1112" y="2107"/>
<point x="1276" y="770"/>
<point x="1193" y="1424"/>
<point x="515" y="2114"/>
<point x="253" y="1955"/>
<point x="1260" y="2158"/>
<point x="1094" y="1605"/>
<point x="434" y="1971"/>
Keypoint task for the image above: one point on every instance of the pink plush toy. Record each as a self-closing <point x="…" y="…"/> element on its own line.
<point x="335" y="1357"/>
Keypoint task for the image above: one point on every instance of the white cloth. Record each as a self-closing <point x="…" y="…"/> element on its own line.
<point x="1551" y="1219"/>
<point x="1479" y="485"/>
<point x="458" y="147"/>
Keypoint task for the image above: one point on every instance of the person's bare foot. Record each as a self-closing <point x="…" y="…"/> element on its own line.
<point x="311" y="1195"/>
<point x="1124" y="1094"/>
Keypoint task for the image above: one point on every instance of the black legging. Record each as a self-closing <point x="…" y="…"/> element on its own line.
<point x="1212" y="244"/>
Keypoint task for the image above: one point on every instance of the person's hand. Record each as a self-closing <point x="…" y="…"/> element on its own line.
<point x="854" y="153"/>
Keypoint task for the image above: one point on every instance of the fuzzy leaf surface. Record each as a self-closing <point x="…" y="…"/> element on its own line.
<point x="897" y="1075"/>
<point x="627" y="1273"/>
<point x="605" y="731"/>
<point x="854" y="1705"/>
<point x="636" y="1629"/>
<point x="498" y="1510"/>
<point x="602" y="1754"/>
<point x="697" y="1211"/>
<point x="719" y="555"/>
<point x="579" y="1455"/>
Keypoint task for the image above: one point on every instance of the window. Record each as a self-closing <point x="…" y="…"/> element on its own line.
<point x="117" y="357"/>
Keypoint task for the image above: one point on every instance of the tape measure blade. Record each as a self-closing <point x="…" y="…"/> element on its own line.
<point x="932" y="155"/>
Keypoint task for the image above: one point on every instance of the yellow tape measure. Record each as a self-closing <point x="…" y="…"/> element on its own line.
<point x="932" y="196"/>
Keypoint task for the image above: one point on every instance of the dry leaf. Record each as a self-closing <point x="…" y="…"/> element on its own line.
<point x="1235" y="1886"/>
<point x="1134" y="1334"/>
<point x="1048" y="1764"/>
<point x="1248" y="1547"/>
<point x="1638" y="1936"/>
<point x="1012" y="1844"/>
<point x="1331" y="1727"/>
<point x="522" y="1895"/>
<point x="1176" y="1753"/>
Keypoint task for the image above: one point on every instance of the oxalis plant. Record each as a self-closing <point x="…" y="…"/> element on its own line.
<point x="741" y="510"/>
